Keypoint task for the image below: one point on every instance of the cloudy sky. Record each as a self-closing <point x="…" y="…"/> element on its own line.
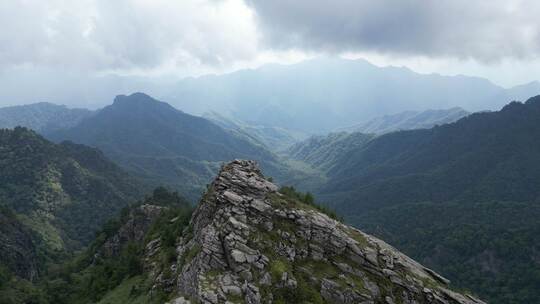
<point x="55" y="45"/>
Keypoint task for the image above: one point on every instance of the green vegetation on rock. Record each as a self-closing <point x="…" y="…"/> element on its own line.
<point x="104" y="275"/>
<point x="305" y="200"/>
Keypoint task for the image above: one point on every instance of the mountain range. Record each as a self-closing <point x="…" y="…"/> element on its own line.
<point x="164" y="145"/>
<point x="408" y="120"/>
<point x="483" y="156"/>
<point x="314" y="96"/>
<point x="320" y="95"/>
<point x="460" y="197"/>
<point x="42" y="117"/>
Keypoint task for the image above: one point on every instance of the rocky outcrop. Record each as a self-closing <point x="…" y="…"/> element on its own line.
<point x="134" y="229"/>
<point x="247" y="243"/>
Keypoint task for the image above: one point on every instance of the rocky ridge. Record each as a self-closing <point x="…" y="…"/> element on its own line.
<point x="247" y="243"/>
<point x="139" y="221"/>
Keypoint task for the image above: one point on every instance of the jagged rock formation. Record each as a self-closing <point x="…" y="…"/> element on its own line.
<point x="134" y="229"/>
<point x="247" y="243"/>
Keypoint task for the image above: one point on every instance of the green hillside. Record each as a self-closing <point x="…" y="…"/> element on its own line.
<point x="64" y="192"/>
<point x="462" y="198"/>
<point x="164" y="145"/>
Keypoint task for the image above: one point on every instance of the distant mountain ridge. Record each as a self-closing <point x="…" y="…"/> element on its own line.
<point x="43" y="117"/>
<point x="408" y="120"/>
<point x="320" y="95"/>
<point x="164" y="145"/>
<point x="323" y="152"/>
<point x="274" y="138"/>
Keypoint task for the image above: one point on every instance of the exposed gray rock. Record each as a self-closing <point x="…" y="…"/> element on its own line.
<point x="247" y="241"/>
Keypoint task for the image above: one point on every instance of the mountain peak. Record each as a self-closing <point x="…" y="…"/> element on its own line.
<point x="137" y="97"/>
<point x="249" y="242"/>
<point x="142" y="104"/>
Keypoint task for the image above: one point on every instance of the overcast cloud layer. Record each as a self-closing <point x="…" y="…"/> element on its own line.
<point x="57" y="46"/>
<point x="478" y="29"/>
<point x="127" y="34"/>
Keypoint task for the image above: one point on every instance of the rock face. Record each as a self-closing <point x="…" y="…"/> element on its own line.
<point x="139" y="221"/>
<point x="247" y="243"/>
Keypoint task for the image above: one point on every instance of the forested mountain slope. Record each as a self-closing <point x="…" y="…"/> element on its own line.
<point x="323" y="152"/>
<point x="462" y="198"/>
<point x="64" y="192"/>
<point x="481" y="157"/>
<point x="165" y="145"/>
<point x="276" y="139"/>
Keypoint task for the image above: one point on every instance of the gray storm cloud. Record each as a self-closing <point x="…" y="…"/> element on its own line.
<point x="477" y="29"/>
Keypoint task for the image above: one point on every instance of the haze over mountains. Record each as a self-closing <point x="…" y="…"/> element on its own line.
<point x="43" y="117"/>
<point x="314" y="96"/>
<point x="324" y="94"/>
<point x="164" y="145"/>
<point x="408" y="120"/>
<point x="320" y="95"/>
